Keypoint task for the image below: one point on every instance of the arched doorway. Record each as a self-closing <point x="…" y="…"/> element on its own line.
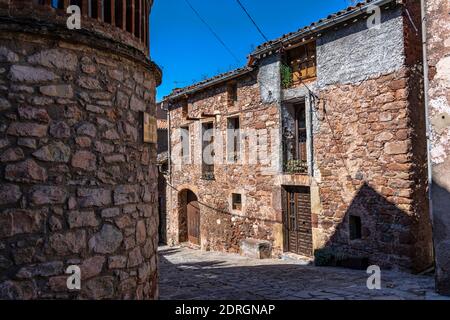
<point x="189" y="217"/>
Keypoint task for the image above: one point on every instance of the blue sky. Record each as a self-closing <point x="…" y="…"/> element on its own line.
<point x="186" y="50"/>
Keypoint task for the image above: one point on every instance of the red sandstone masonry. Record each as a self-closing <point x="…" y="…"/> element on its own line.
<point x="223" y="229"/>
<point x="367" y="169"/>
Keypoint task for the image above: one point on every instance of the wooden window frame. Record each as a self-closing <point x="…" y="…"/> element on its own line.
<point x="306" y="68"/>
<point x="300" y="154"/>
<point x="207" y="169"/>
<point x="354" y="227"/>
<point x="235" y="205"/>
<point x="185" y="157"/>
<point x="232" y="93"/>
<point x="235" y="156"/>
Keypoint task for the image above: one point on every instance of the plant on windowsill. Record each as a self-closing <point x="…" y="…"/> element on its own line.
<point x="296" y="167"/>
<point x="286" y="76"/>
<point x="208" y="176"/>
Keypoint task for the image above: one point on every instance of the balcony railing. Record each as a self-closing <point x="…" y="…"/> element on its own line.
<point x="208" y="174"/>
<point x="130" y="16"/>
<point x="296" y="167"/>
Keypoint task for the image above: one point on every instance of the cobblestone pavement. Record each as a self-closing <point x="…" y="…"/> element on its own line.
<point x="187" y="274"/>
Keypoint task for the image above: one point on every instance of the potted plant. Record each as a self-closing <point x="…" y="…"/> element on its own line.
<point x="296" y="166"/>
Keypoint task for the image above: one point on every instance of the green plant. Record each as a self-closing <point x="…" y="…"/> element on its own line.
<point x="208" y="176"/>
<point x="323" y="257"/>
<point x="286" y="76"/>
<point x="296" y="166"/>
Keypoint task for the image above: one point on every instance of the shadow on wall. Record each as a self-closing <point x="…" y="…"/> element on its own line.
<point x="374" y="231"/>
<point x="441" y="234"/>
<point x="162" y="209"/>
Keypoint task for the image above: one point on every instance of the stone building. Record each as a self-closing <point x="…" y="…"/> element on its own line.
<point x="437" y="36"/>
<point x="77" y="183"/>
<point x="317" y="145"/>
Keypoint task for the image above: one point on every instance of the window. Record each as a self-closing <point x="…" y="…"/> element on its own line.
<point x="93" y="10"/>
<point x="300" y="129"/>
<point x="208" y="151"/>
<point x="302" y="61"/>
<point x="78" y="3"/>
<point x="236" y="201"/>
<point x="355" y="227"/>
<point x="184" y="109"/>
<point x="129" y="14"/>
<point x="137" y="9"/>
<point x="107" y="11"/>
<point x="118" y="8"/>
<point x="232" y="93"/>
<point x="233" y="139"/>
<point x="295" y="140"/>
<point x="185" y="143"/>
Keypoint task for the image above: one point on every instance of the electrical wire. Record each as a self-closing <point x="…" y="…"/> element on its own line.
<point x="252" y="20"/>
<point x="221" y="211"/>
<point x="312" y="93"/>
<point x="212" y="31"/>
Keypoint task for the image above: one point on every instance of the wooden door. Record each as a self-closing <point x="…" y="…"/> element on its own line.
<point x="193" y="219"/>
<point x="297" y="221"/>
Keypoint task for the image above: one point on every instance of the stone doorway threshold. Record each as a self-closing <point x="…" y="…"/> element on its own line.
<point x="190" y="245"/>
<point x="297" y="259"/>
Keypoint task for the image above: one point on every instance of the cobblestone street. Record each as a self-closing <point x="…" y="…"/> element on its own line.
<point x="187" y="274"/>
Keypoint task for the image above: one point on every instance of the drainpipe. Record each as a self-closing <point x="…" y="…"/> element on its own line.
<point x="169" y="149"/>
<point x="426" y="85"/>
<point x="426" y="98"/>
<point x="310" y="134"/>
<point x="169" y="171"/>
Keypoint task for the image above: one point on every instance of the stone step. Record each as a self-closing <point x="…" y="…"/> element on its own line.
<point x="298" y="259"/>
<point x="257" y="249"/>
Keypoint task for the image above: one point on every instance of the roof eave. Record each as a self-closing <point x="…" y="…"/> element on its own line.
<point x="228" y="77"/>
<point x="320" y="27"/>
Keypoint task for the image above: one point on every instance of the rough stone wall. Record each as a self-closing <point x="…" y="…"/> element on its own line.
<point x="222" y="228"/>
<point x="438" y="56"/>
<point x="372" y="123"/>
<point x="356" y="53"/>
<point x="77" y="184"/>
<point x="364" y="158"/>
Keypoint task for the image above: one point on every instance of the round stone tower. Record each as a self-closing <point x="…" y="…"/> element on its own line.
<point x="78" y="183"/>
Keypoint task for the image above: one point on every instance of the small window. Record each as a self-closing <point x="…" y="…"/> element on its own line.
<point x="118" y="8"/>
<point x="232" y="93"/>
<point x="184" y="108"/>
<point x="93" y="9"/>
<point x="355" y="227"/>
<point x="107" y="11"/>
<point x="185" y="143"/>
<point x="208" y="153"/>
<point x="137" y="9"/>
<point x="129" y="14"/>
<point x="233" y="139"/>
<point x="236" y="201"/>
